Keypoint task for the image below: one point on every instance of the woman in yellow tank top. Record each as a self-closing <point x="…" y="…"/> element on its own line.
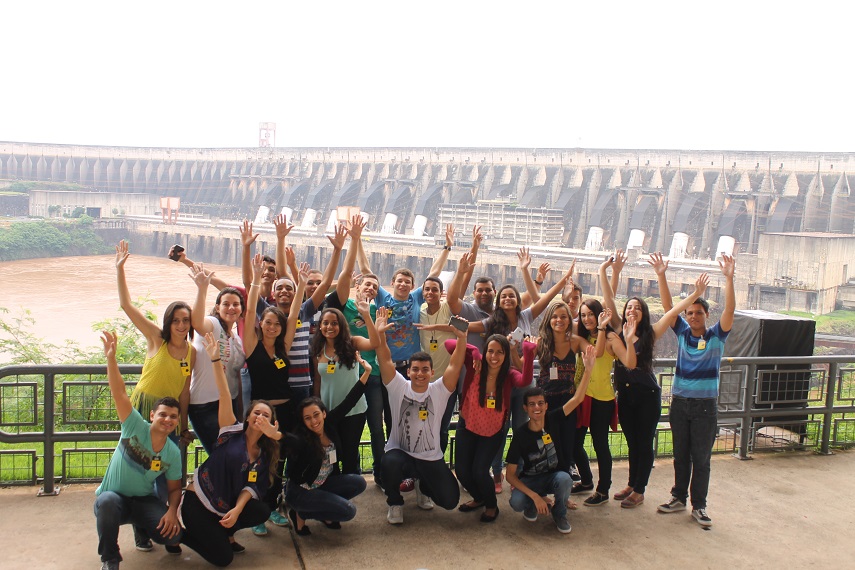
<point x="169" y="354"/>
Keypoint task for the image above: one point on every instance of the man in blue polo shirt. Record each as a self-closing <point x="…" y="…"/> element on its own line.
<point x="694" y="393"/>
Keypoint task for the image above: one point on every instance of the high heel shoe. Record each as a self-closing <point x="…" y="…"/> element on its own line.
<point x="305" y="531"/>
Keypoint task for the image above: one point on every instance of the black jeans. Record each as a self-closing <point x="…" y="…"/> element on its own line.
<point x="567" y="429"/>
<point x="378" y="401"/>
<point x="475" y="453"/>
<point x="601" y="417"/>
<point x="204" y="533"/>
<point x="639" y="409"/>
<point x="693" y="430"/>
<point x="349" y="432"/>
<point x="435" y="479"/>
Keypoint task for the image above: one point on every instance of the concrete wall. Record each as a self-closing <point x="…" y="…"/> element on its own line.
<point x="130" y="204"/>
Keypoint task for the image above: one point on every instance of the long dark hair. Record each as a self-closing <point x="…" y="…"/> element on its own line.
<point x="215" y="310"/>
<point x="279" y="342"/>
<point x="269" y="447"/>
<point x="503" y="371"/>
<point x="595" y="307"/>
<point x="315" y="446"/>
<point x="546" y="346"/>
<point x="499" y="323"/>
<point x="169" y="316"/>
<point x="343" y="343"/>
<point x="645" y="334"/>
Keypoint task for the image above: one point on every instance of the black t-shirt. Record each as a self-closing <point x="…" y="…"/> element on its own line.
<point x="533" y="450"/>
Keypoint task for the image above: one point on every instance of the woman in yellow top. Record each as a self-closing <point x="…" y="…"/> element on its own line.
<point x="598" y="411"/>
<point x="169" y="354"/>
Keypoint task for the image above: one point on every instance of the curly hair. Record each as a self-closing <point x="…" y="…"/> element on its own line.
<point x="343" y="343"/>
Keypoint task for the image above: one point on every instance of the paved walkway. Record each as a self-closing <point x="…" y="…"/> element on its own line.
<point x="781" y="510"/>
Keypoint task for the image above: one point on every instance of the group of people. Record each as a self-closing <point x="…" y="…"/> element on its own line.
<point x="280" y="378"/>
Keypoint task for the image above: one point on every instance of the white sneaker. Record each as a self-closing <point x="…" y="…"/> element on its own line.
<point x="396" y="514"/>
<point x="423" y="501"/>
<point x="702" y="517"/>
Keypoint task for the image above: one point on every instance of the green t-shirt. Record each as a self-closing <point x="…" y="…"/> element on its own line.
<point x="130" y="472"/>
<point x="357" y="327"/>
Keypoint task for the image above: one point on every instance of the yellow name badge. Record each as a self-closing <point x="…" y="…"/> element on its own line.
<point x="331" y="368"/>
<point x="423" y="414"/>
<point x="547" y="439"/>
<point x="185" y="368"/>
<point x="491" y="402"/>
<point x="155" y="463"/>
<point x="299" y="323"/>
<point x="252" y="476"/>
<point x="702" y="344"/>
<point x="433" y="345"/>
<point x="279" y="363"/>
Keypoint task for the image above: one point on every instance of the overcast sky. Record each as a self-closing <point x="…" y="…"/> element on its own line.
<point x="721" y="75"/>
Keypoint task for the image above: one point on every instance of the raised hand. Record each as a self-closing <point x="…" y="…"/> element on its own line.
<point x="542" y="271"/>
<point x="212" y="347"/>
<point x="465" y="265"/>
<point x="728" y="265"/>
<point x="449" y="235"/>
<point x="620" y="260"/>
<point x="303" y="273"/>
<point x="337" y="239"/>
<point x="477" y="236"/>
<point x="658" y="262"/>
<point x="265" y="427"/>
<point x="524" y="258"/>
<point x="200" y="275"/>
<point x="701" y="284"/>
<point x="283" y="228"/>
<point x="589" y="357"/>
<point x="257" y="267"/>
<point x="629" y="330"/>
<point x="364" y="363"/>
<point x="290" y="256"/>
<point x="362" y="305"/>
<point x="604" y="318"/>
<point x="122" y="254"/>
<point x="109" y="341"/>
<point x="357" y="225"/>
<point x="246" y="235"/>
<point x="381" y="321"/>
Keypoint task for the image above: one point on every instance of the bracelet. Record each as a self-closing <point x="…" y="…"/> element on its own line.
<point x="601" y="330"/>
<point x="538" y="283"/>
<point x="217" y="360"/>
<point x="254" y="285"/>
<point x="448" y="247"/>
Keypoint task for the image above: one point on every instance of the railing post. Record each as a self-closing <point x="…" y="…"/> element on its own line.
<point x="828" y="416"/>
<point x="48" y="489"/>
<point x="747" y="410"/>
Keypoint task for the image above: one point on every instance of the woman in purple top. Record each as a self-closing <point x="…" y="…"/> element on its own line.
<point x="227" y="488"/>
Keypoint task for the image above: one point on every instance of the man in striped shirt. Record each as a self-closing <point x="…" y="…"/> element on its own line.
<point x="694" y="393"/>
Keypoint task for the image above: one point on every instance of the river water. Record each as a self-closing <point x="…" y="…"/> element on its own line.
<point x="65" y="295"/>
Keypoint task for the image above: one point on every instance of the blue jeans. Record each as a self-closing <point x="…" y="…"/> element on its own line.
<point x="693" y="430"/>
<point x="245" y="391"/>
<point x="375" y="395"/>
<point x="557" y="483"/>
<point x="112" y="510"/>
<point x="329" y="502"/>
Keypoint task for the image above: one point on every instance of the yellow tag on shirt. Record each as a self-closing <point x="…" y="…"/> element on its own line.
<point x="155" y="463"/>
<point x="185" y="368"/>
<point x="702" y="344"/>
<point x="423" y="414"/>
<point x="252" y="476"/>
<point x="547" y="439"/>
<point x="279" y="363"/>
<point x="491" y="402"/>
<point x="433" y="345"/>
<point x="331" y="368"/>
<point x="299" y="323"/>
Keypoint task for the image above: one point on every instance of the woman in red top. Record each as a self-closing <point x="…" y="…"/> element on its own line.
<point x="486" y="403"/>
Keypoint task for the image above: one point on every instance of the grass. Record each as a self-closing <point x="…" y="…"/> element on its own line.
<point x="840" y="322"/>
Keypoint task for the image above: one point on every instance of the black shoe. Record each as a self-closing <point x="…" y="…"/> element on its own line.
<point x="332" y="525"/>
<point x="485" y="518"/>
<point x="305" y="531"/>
<point x="579" y="488"/>
<point x="143" y="545"/>
<point x="574" y="474"/>
<point x="596" y="500"/>
<point x="467" y="508"/>
<point x="238" y="548"/>
<point x="172" y="549"/>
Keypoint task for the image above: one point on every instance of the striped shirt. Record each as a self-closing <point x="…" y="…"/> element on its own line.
<point x="698" y="361"/>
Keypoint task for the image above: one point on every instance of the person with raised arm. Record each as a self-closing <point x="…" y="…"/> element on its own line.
<point x="227" y="488"/>
<point x="694" y="392"/>
<point x="483" y="292"/>
<point x="170" y="356"/>
<point x="266" y="347"/>
<point x="301" y="376"/>
<point x="537" y="449"/>
<point x="413" y="447"/>
<point x="204" y="396"/>
<point x="316" y="488"/>
<point x="639" y="394"/>
<point x="144" y="453"/>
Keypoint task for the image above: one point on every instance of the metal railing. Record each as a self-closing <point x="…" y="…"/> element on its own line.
<point x="764" y="403"/>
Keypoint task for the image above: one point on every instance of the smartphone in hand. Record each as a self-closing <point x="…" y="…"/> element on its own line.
<point x="175" y="252"/>
<point x="459" y="324"/>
